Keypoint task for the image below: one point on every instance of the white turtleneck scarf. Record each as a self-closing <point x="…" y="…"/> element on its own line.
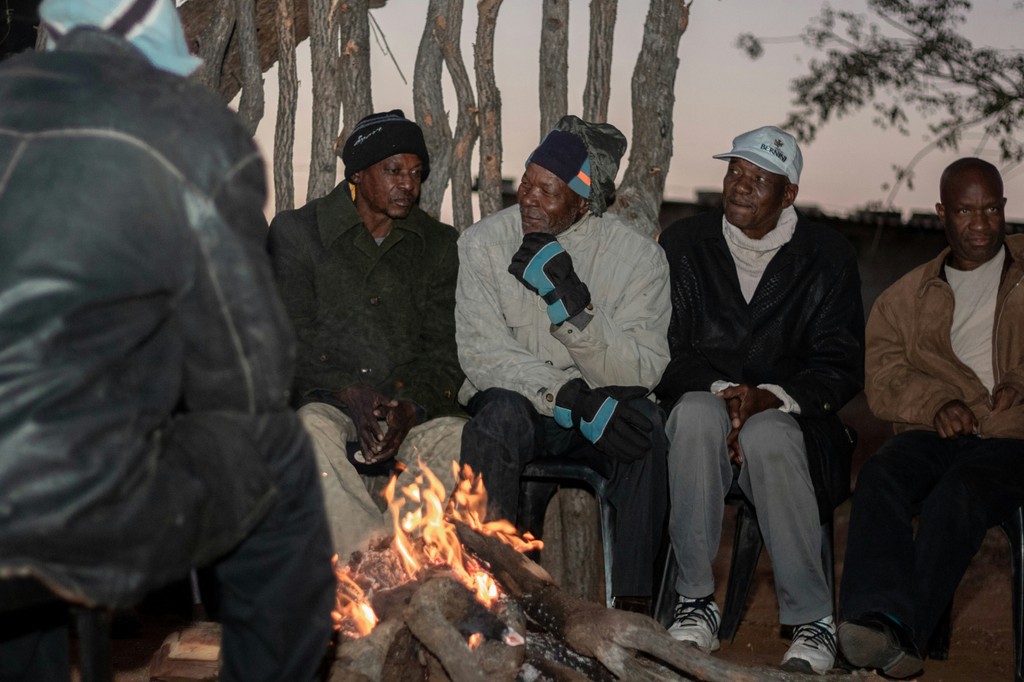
<point x="753" y="255"/>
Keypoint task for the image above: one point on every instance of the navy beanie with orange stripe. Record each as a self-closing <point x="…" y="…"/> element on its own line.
<point x="565" y="155"/>
<point x="585" y="156"/>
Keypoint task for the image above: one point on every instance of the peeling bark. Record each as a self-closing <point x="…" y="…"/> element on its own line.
<point x="323" y="48"/>
<point x="354" y="66"/>
<point x="554" y="64"/>
<point x="489" y="104"/>
<point x="211" y="45"/>
<point x="599" y="64"/>
<point x="287" y="101"/>
<point x="643" y="184"/>
<point x="466" y="127"/>
<point x="250" y="106"/>
<point x="197" y="15"/>
<point x="431" y="116"/>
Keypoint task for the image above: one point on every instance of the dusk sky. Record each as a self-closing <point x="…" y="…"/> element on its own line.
<point x="719" y="93"/>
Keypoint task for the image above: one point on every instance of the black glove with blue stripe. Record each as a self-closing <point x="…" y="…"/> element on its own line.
<point x="544" y="267"/>
<point x="604" y="418"/>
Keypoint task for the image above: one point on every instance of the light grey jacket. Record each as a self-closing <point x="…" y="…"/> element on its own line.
<point x="506" y="340"/>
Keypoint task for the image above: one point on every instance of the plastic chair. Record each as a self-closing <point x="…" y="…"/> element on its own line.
<point x="92" y="625"/>
<point x="538" y="482"/>
<point x="938" y="644"/>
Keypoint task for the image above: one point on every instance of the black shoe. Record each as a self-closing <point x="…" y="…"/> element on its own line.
<point x="878" y="641"/>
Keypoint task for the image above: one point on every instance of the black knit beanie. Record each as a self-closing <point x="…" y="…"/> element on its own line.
<point x="381" y="135"/>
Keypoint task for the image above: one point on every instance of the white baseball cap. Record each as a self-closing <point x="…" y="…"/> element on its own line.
<point x="770" y="148"/>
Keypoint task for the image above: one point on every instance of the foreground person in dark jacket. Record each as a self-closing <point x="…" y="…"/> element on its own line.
<point x="144" y="356"/>
<point x="368" y="280"/>
<point x="767" y="343"/>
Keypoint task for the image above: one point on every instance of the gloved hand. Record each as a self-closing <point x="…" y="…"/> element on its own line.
<point x="604" y="418"/>
<point x="544" y="267"/>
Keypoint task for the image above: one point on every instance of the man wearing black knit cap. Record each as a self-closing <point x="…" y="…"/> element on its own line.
<point x="561" y="314"/>
<point x="368" y="280"/>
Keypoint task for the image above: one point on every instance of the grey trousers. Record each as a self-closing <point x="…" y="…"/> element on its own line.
<point x="355" y="511"/>
<point x="774" y="477"/>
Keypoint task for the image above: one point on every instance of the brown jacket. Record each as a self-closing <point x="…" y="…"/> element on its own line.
<point x="911" y="370"/>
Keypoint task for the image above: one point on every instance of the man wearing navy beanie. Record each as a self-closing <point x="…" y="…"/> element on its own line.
<point x="368" y="280"/>
<point x="562" y="311"/>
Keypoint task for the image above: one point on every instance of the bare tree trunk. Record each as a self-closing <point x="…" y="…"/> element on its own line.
<point x="466" y="128"/>
<point x="287" y="101"/>
<point x="354" y="66"/>
<point x="250" y="106"/>
<point x="554" y="64"/>
<point x="572" y="544"/>
<point x="211" y="46"/>
<point x="198" y="15"/>
<point x="489" y="178"/>
<point x="654" y="77"/>
<point x="599" y="65"/>
<point x="323" y="49"/>
<point x="428" y="100"/>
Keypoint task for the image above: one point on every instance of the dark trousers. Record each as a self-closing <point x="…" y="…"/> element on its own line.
<point x="962" y="487"/>
<point x="276" y="587"/>
<point x="506" y="433"/>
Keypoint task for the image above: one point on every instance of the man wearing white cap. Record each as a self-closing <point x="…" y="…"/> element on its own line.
<point x="767" y="344"/>
<point x="145" y="358"/>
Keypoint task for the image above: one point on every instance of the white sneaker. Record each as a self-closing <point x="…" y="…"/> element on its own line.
<point x="813" y="648"/>
<point x="696" y="622"/>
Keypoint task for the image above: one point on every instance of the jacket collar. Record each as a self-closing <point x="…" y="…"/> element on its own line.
<point x="97" y="41"/>
<point x="934" y="271"/>
<point x="336" y="214"/>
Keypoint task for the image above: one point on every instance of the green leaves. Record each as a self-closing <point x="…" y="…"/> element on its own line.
<point x="908" y="55"/>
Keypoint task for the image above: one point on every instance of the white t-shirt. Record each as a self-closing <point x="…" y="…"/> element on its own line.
<point x="974" y="311"/>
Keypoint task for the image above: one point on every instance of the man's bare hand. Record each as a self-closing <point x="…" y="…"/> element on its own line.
<point x="732" y="443"/>
<point x="1006" y="397"/>
<point x="745" y="401"/>
<point x="400" y="416"/>
<point x="364" y="404"/>
<point x="954" y="419"/>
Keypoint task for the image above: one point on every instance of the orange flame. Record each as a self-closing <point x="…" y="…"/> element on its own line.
<point x="428" y="516"/>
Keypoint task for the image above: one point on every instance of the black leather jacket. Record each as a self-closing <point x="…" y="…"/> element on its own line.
<point x="142" y="347"/>
<point x="803" y="330"/>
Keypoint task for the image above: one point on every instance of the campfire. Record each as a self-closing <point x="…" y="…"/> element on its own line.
<point x="451" y="596"/>
<point x="424" y="542"/>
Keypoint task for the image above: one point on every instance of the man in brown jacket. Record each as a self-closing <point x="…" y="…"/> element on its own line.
<point x="945" y="364"/>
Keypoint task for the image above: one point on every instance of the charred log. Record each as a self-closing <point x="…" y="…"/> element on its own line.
<point x="630" y="645"/>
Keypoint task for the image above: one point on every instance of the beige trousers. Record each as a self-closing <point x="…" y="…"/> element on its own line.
<point x="356" y="511"/>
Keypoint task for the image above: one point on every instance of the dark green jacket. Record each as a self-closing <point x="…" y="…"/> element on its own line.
<point x="383" y="315"/>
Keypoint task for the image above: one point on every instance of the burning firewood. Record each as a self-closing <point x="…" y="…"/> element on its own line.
<point x="632" y="646"/>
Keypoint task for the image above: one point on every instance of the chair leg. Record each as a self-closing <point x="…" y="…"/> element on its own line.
<point x="828" y="558"/>
<point x="534" y="496"/>
<point x="746" y="550"/>
<point x="93" y="626"/>
<point x="607" y="543"/>
<point x="664" y="607"/>
<point x="1014" y="529"/>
